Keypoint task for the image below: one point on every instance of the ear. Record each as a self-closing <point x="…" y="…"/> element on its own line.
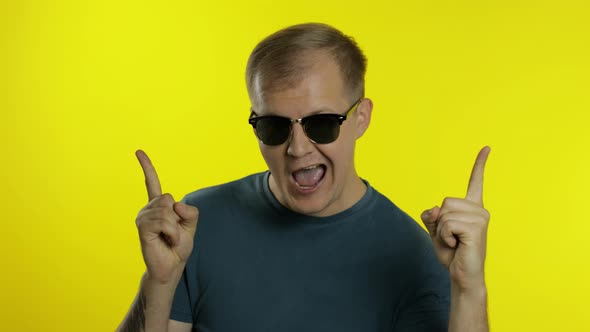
<point x="363" y="116"/>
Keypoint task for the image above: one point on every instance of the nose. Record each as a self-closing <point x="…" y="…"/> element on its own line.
<point x="299" y="145"/>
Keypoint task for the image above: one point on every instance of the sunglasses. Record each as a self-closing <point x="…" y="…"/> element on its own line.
<point x="319" y="128"/>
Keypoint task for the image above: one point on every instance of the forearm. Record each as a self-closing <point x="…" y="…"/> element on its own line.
<point x="150" y="310"/>
<point x="468" y="310"/>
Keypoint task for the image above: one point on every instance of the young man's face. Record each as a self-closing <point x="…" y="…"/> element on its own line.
<point x="309" y="178"/>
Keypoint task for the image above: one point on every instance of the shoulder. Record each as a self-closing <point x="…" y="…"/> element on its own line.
<point x="395" y="218"/>
<point x="237" y="189"/>
<point x="414" y="247"/>
<point x="401" y="236"/>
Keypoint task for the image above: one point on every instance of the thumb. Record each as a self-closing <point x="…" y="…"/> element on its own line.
<point x="429" y="218"/>
<point x="188" y="213"/>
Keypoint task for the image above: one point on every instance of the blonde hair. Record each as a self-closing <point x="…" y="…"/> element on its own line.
<point x="279" y="60"/>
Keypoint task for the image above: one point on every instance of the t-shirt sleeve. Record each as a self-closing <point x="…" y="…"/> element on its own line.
<point x="186" y="294"/>
<point x="427" y="306"/>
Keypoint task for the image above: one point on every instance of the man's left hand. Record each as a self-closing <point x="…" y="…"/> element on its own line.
<point x="459" y="230"/>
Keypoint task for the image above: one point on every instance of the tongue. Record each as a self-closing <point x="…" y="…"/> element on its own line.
<point x="309" y="177"/>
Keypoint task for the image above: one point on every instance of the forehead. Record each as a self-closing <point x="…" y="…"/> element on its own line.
<point x="319" y="88"/>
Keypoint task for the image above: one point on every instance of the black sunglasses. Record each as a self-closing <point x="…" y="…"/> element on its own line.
<point x="319" y="128"/>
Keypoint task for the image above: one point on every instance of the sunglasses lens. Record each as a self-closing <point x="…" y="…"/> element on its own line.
<point x="273" y="130"/>
<point x="322" y="128"/>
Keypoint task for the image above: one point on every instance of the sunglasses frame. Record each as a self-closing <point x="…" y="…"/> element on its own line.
<point x="253" y="120"/>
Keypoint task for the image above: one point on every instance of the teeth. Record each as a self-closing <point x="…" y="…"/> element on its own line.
<point x="302" y="187"/>
<point x="311" y="167"/>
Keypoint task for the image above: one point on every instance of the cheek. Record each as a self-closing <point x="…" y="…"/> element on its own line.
<point x="272" y="156"/>
<point x="341" y="154"/>
<point x="348" y="140"/>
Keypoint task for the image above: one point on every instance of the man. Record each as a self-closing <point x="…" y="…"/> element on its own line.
<point x="308" y="245"/>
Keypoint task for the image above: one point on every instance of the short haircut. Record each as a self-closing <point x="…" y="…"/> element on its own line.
<point x="279" y="60"/>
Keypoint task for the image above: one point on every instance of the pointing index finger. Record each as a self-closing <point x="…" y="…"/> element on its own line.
<point x="475" y="188"/>
<point x="152" y="182"/>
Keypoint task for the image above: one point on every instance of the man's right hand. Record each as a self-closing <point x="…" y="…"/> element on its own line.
<point x="166" y="229"/>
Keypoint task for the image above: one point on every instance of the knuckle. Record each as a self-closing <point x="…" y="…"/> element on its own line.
<point x="140" y="220"/>
<point x="142" y="224"/>
<point x="447" y="204"/>
<point x="167" y="198"/>
<point x="449" y="199"/>
<point x="483" y="220"/>
<point x="140" y="215"/>
<point x="444" y="218"/>
<point x="163" y="200"/>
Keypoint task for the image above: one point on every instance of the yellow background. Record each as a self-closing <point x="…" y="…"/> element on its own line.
<point x="85" y="84"/>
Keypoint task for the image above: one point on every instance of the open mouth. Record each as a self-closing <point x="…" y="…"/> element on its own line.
<point x="309" y="177"/>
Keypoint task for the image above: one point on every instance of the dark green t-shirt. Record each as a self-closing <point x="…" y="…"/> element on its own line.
<point x="257" y="266"/>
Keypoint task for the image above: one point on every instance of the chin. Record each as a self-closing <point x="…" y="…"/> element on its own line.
<point x="313" y="201"/>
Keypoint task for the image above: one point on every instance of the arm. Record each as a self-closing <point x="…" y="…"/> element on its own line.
<point x="166" y="231"/>
<point x="469" y="310"/>
<point x="459" y="234"/>
<point x="150" y="310"/>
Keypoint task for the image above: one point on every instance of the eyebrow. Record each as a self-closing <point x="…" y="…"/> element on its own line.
<point x="320" y="110"/>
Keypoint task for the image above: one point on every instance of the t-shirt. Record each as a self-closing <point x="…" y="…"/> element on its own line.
<point x="258" y="266"/>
